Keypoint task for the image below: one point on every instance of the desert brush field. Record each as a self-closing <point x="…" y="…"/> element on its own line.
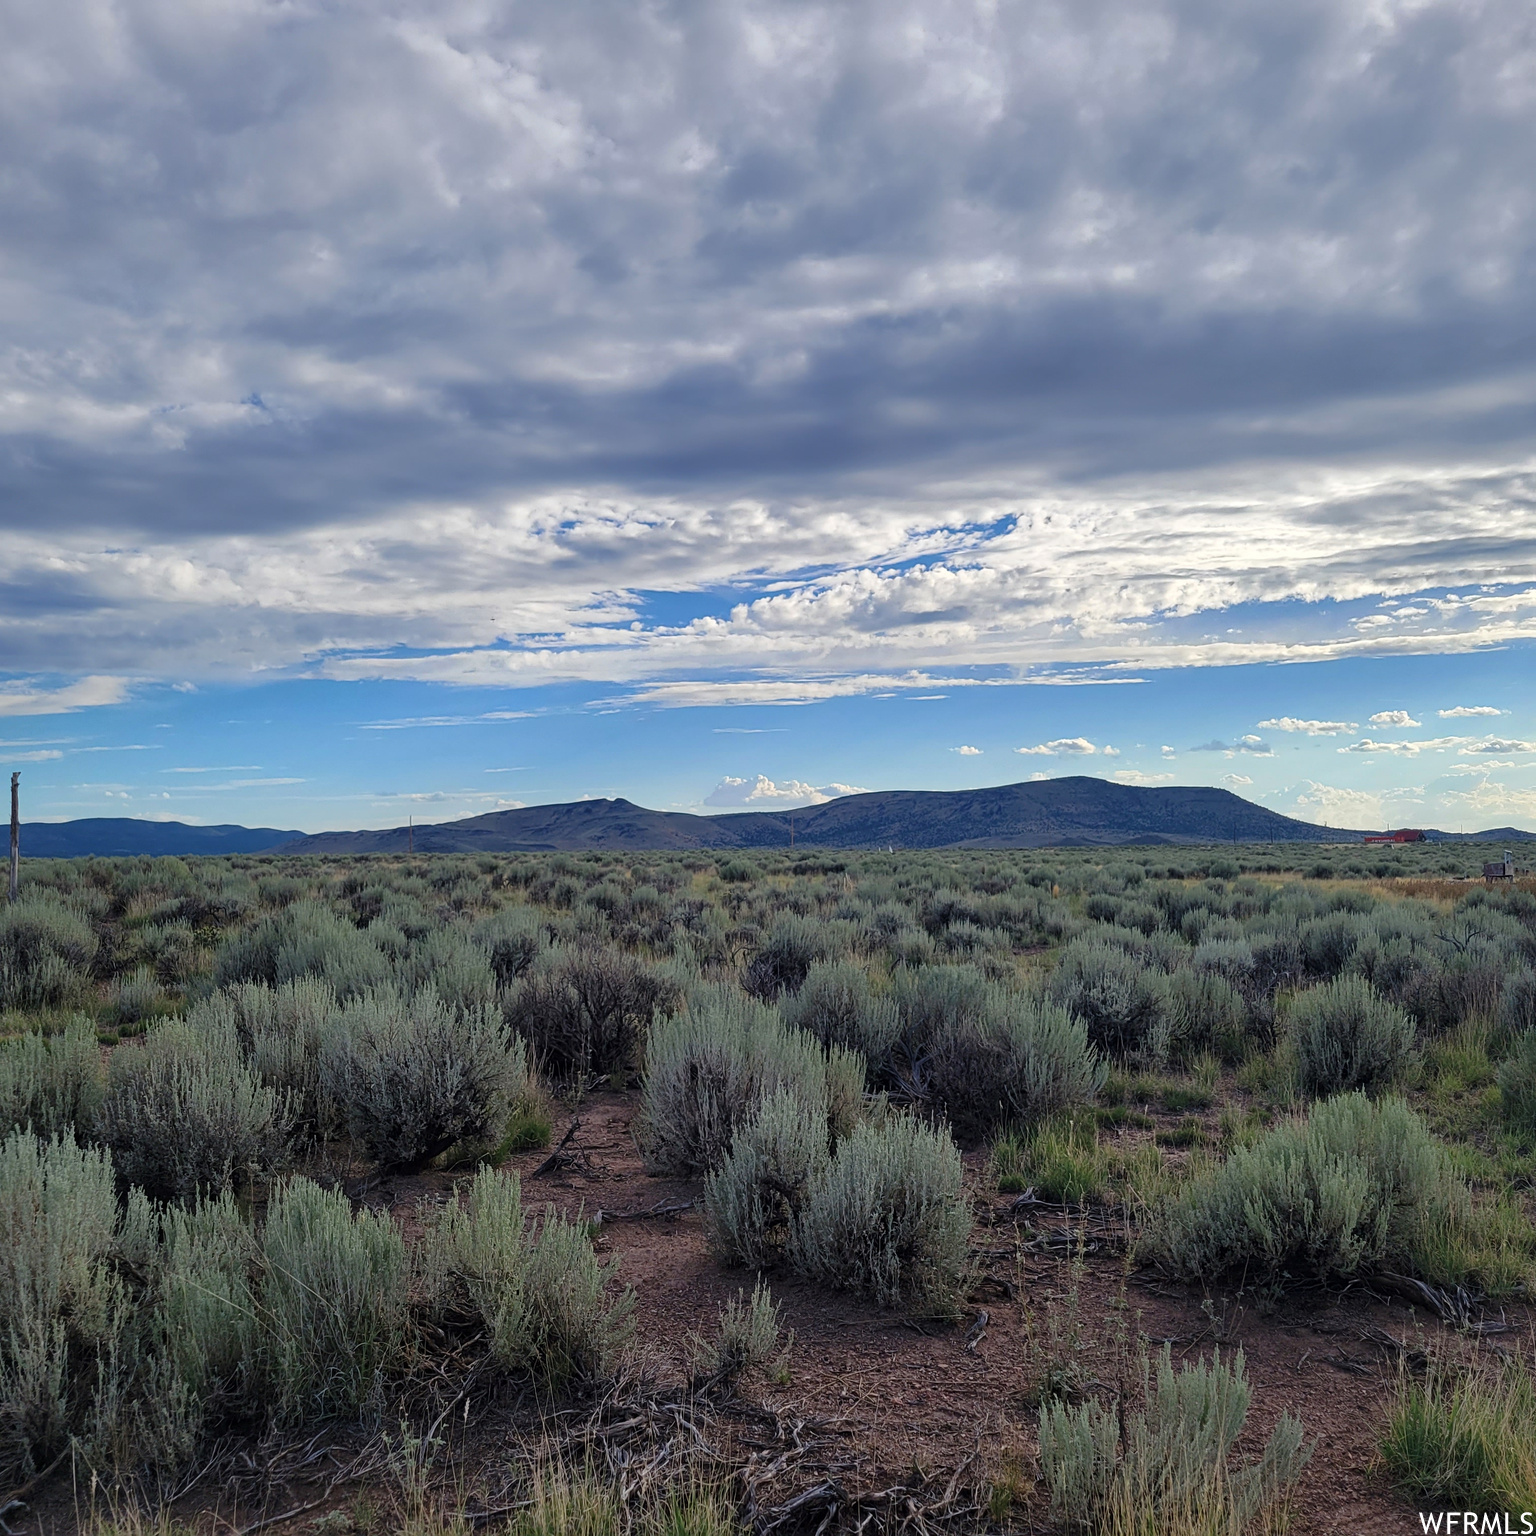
<point x="1142" y="1190"/>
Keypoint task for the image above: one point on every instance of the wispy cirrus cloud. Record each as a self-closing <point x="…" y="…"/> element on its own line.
<point x="266" y="783"/>
<point x="1255" y="746"/>
<point x="18" y="697"/>
<point x="427" y="722"/>
<point x="463" y="799"/>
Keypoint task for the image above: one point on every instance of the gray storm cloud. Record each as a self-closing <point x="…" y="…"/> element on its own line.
<point x="946" y="334"/>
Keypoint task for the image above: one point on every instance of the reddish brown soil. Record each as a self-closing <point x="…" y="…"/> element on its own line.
<point x="907" y="1399"/>
<point x="913" y="1395"/>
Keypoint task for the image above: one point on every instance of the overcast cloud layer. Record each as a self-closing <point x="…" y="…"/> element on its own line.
<point x="436" y="342"/>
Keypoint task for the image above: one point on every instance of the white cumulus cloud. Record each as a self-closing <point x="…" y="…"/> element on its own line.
<point x="1338" y="805"/>
<point x="763" y="793"/>
<point x="1063" y="746"/>
<point x="967" y="751"/>
<point x="1367" y="745"/>
<point x="1496" y="746"/>
<point x="1308" y="727"/>
<point x="1394" y="719"/>
<point x="1469" y="711"/>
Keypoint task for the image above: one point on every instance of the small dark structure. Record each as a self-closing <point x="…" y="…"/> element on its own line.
<point x="13" y="886"/>
<point x="1403" y="835"/>
<point x="1503" y="870"/>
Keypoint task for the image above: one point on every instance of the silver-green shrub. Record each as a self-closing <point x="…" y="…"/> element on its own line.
<point x="183" y="1114"/>
<point x="886" y="1217"/>
<point x="169" y="950"/>
<point x="709" y="1067"/>
<point x="1168" y="1467"/>
<point x="1021" y="1059"/>
<point x="794" y="943"/>
<point x="1347" y="1036"/>
<point x="539" y="1292"/>
<point x="1123" y="1002"/>
<point x="304" y="939"/>
<point x="415" y="1076"/>
<point x="133" y="998"/>
<point x="837" y="1005"/>
<point x="1352" y="1186"/>
<point x="1517" y="1084"/>
<point x="1205" y="1013"/>
<point x="46" y="950"/>
<point x="579" y="1333"/>
<point x="456" y="968"/>
<point x="186" y="1365"/>
<point x="62" y="1304"/>
<point x="512" y="939"/>
<point x="283" y="1032"/>
<point x="846" y="1074"/>
<point x="1517" y="1003"/>
<point x="52" y="1083"/>
<point x="204" y="1294"/>
<point x="746" y="1335"/>
<point x="754" y="1198"/>
<point x="333" y="1302"/>
<point x="934" y="997"/>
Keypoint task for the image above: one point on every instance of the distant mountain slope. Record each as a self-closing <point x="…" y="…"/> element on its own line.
<point x="122" y="835"/>
<point x="1491" y="835"/>
<point x="1067" y="812"/>
<point x="1062" y="813"/>
<point x="542" y="829"/>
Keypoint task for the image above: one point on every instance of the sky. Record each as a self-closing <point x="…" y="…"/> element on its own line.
<point x="420" y="410"/>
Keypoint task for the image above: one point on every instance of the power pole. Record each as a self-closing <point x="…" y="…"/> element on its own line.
<point x="15" y="890"/>
<point x="410" y="836"/>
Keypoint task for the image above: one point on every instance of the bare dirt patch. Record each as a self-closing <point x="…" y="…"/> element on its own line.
<point x="874" y="1401"/>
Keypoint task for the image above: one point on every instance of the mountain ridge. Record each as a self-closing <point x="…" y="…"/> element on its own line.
<point x="126" y="836"/>
<point x="1075" y="811"/>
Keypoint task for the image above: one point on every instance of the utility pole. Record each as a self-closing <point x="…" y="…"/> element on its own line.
<point x="410" y="836"/>
<point x="15" y="890"/>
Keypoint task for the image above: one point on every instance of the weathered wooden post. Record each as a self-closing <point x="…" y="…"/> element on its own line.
<point x="15" y="889"/>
